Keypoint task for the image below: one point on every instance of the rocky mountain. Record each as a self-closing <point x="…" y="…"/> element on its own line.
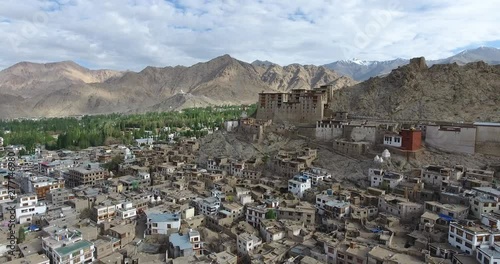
<point x="363" y="70"/>
<point x="62" y="89"/>
<point x="417" y="92"/>
<point x="486" y="54"/>
<point x="29" y="79"/>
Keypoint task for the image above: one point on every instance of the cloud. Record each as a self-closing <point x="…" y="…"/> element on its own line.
<point x="131" y="34"/>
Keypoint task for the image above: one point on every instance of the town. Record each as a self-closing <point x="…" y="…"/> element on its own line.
<point x="169" y="201"/>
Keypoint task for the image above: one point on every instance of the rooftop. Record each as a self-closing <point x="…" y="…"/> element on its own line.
<point x="31" y="259"/>
<point x="181" y="241"/>
<point x="163" y="217"/>
<point x="66" y="250"/>
<point x="488" y="190"/>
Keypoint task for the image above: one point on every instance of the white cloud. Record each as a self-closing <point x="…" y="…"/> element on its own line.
<point x="132" y="34"/>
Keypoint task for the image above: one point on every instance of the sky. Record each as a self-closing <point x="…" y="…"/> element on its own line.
<point x="132" y="34"/>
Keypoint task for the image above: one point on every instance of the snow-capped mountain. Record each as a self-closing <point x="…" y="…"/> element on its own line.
<point x="362" y="70"/>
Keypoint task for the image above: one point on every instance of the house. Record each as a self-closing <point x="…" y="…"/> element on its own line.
<point x="400" y="207"/>
<point x="126" y="233"/>
<point x="435" y="175"/>
<point x="246" y="243"/>
<point x="28" y="206"/>
<point x="485" y="200"/>
<point x="79" y="252"/>
<point x="255" y="214"/>
<point x="299" y="184"/>
<point x="41" y="185"/>
<point x="31" y="259"/>
<point x="86" y="175"/>
<point x="384" y="179"/>
<point x="302" y="212"/>
<point x="337" y="209"/>
<point x="208" y="206"/>
<point x="393" y="140"/>
<point x="184" y="245"/>
<point x="451" y="211"/>
<point x="272" y="230"/>
<point x="57" y="237"/>
<point x="162" y="223"/>
<point x="317" y="175"/>
<point x="468" y="237"/>
<point x="352" y="253"/>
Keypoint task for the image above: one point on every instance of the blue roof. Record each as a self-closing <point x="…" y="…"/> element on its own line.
<point x="446" y="217"/>
<point x="163" y="217"/>
<point x="180" y="241"/>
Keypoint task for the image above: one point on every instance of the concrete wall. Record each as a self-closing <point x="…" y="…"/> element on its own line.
<point x="462" y="141"/>
<point x="361" y="133"/>
<point x="488" y="140"/>
<point x="328" y="132"/>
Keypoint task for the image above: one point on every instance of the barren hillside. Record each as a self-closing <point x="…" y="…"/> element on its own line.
<point x="417" y="92"/>
<point x="62" y="89"/>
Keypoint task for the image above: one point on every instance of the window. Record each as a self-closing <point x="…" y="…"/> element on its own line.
<point x="458" y="240"/>
<point x="468" y="236"/>
<point x="468" y="245"/>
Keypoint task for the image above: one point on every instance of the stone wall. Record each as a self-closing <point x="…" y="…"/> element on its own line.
<point x="488" y="140"/>
<point x="461" y="140"/>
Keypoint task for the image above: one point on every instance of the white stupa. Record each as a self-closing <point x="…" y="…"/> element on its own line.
<point x="386" y="154"/>
<point x="376" y="159"/>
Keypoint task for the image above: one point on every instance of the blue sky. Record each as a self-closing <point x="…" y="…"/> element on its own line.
<point x="132" y="34"/>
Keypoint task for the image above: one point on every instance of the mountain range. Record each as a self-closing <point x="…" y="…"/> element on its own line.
<point x="66" y="88"/>
<point x="363" y="70"/>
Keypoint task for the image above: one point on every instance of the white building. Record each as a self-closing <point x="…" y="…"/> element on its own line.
<point x="126" y="210"/>
<point x="28" y="206"/>
<point x="436" y="175"/>
<point x="208" y="206"/>
<point x="230" y="125"/>
<point x="162" y="223"/>
<point x="475" y="240"/>
<point x="381" y="178"/>
<point x="393" y="140"/>
<point x="486" y="200"/>
<point x="5" y="196"/>
<point x="255" y="214"/>
<point x="246" y="243"/>
<point x="63" y="245"/>
<point x="79" y="252"/>
<point x="317" y="175"/>
<point x="298" y="185"/>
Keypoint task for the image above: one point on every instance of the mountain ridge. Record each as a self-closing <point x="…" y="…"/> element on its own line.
<point x="62" y="89"/>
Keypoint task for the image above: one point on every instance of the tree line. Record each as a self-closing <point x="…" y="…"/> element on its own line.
<point x="89" y="131"/>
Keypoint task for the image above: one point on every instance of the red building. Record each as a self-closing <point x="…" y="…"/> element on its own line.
<point x="412" y="139"/>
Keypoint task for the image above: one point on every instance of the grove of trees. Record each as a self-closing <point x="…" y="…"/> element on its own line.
<point x="80" y="133"/>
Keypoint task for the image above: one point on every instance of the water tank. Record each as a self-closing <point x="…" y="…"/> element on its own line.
<point x="329" y="192"/>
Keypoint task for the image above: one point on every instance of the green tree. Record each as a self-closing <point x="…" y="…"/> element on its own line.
<point x="21" y="236"/>
<point x="271" y="214"/>
<point x="114" y="164"/>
